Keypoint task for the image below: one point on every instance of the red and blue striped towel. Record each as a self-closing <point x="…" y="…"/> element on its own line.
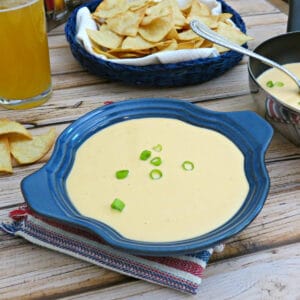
<point x="182" y="273"/>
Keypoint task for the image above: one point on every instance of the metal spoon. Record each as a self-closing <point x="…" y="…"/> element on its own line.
<point x="205" y="32"/>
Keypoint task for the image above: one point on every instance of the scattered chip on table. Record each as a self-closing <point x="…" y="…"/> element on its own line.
<point x="17" y="142"/>
<point x="5" y="159"/>
<point x="13" y="128"/>
<point x="29" y="151"/>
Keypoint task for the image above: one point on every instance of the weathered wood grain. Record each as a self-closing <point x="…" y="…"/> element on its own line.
<point x="73" y="85"/>
<point x="30" y="272"/>
<point x="277" y="225"/>
<point x="280" y="149"/>
<point x="271" y="274"/>
<point x="69" y="275"/>
<point x="281" y="5"/>
<point x="60" y="107"/>
<point x="35" y="273"/>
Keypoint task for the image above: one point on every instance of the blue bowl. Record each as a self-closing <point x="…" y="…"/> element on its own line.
<point x="168" y="75"/>
<point x="45" y="190"/>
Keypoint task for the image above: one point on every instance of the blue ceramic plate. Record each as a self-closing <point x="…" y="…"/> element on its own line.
<point x="45" y="190"/>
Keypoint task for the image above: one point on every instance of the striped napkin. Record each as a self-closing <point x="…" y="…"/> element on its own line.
<point x="182" y="272"/>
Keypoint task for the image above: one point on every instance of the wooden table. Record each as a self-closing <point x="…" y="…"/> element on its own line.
<point x="262" y="262"/>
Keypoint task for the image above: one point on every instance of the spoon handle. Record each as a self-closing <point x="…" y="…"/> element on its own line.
<point x="205" y="32"/>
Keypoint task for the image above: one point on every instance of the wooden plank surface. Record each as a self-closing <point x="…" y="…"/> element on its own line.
<point x="270" y="274"/>
<point x="262" y="260"/>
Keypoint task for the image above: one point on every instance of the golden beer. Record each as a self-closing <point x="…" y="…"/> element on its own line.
<point x="25" y="79"/>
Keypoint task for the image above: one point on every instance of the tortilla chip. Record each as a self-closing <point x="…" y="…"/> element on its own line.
<point x="126" y="23"/>
<point x="100" y="51"/>
<point x="105" y="38"/>
<point x="231" y="33"/>
<point x="136" y="28"/>
<point x="111" y="8"/>
<point x="167" y="45"/>
<point x="137" y="43"/>
<point x="187" y="45"/>
<point x="156" y="30"/>
<point x="29" y="151"/>
<point x="5" y="159"/>
<point x="8" y="127"/>
<point x="199" y="9"/>
<point x="210" y="21"/>
<point x="188" y="35"/>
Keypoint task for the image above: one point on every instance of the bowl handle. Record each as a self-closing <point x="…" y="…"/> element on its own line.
<point x="37" y="194"/>
<point x="256" y="126"/>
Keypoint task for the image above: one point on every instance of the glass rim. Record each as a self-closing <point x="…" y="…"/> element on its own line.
<point x="28" y="3"/>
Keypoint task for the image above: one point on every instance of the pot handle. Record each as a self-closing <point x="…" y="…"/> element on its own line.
<point x="257" y="127"/>
<point x="294" y="16"/>
<point x="37" y="194"/>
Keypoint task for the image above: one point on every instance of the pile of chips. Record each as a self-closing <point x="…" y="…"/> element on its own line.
<point x="136" y="28"/>
<point x="17" y="142"/>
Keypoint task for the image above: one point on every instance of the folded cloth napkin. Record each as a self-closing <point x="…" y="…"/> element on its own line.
<point x="182" y="272"/>
<point x="85" y="21"/>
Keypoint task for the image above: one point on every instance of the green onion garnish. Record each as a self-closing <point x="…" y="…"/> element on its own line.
<point x="155" y="174"/>
<point x="157" y="148"/>
<point x="187" y="165"/>
<point x="270" y="83"/>
<point x="156" y="161"/>
<point x="279" y="84"/>
<point x="122" y="174"/>
<point x="118" y="204"/>
<point x="145" y="155"/>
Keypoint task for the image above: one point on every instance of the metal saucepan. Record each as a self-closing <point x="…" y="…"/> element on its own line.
<point x="274" y="52"/>
<point x="283" y="49"/>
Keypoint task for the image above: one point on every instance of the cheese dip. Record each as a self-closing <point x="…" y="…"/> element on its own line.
<point x="188" y="199"/>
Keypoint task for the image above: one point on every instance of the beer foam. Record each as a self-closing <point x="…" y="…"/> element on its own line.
<point x="7" y="5"/>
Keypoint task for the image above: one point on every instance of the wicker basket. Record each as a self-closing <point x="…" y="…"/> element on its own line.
<point x="160" y="75"/>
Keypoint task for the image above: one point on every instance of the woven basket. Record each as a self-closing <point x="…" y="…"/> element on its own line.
<point x="175" y="74"/>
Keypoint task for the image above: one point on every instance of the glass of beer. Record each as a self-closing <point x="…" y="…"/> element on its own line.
<point x="25" y="79"/>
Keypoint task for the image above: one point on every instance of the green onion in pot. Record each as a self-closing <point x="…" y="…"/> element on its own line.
<point x="279" y="84"/>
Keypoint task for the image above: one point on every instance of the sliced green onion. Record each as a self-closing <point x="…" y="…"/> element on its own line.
<point x="118" y="204"/>
<point x="145" y="155"/>
<point x="279" y="84"/>
<point x="121" y="174"/>
<point x="270" y="83"/>
<point x="157" y="148"/>
<point x="187" y="165"/>
<point x="156" y="161"/>
<point x="155" y="174"/>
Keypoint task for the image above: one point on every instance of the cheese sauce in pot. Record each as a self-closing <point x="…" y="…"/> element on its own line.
<point x="181" y="204"/>
<point x="281" y="85"/>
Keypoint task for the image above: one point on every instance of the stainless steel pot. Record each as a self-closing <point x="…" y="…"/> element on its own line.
<point x="283" y="49"/>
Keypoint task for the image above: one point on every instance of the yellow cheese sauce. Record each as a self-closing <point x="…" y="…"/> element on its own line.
<point x="181" y="204"/>
<point x="289" y="92"/>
